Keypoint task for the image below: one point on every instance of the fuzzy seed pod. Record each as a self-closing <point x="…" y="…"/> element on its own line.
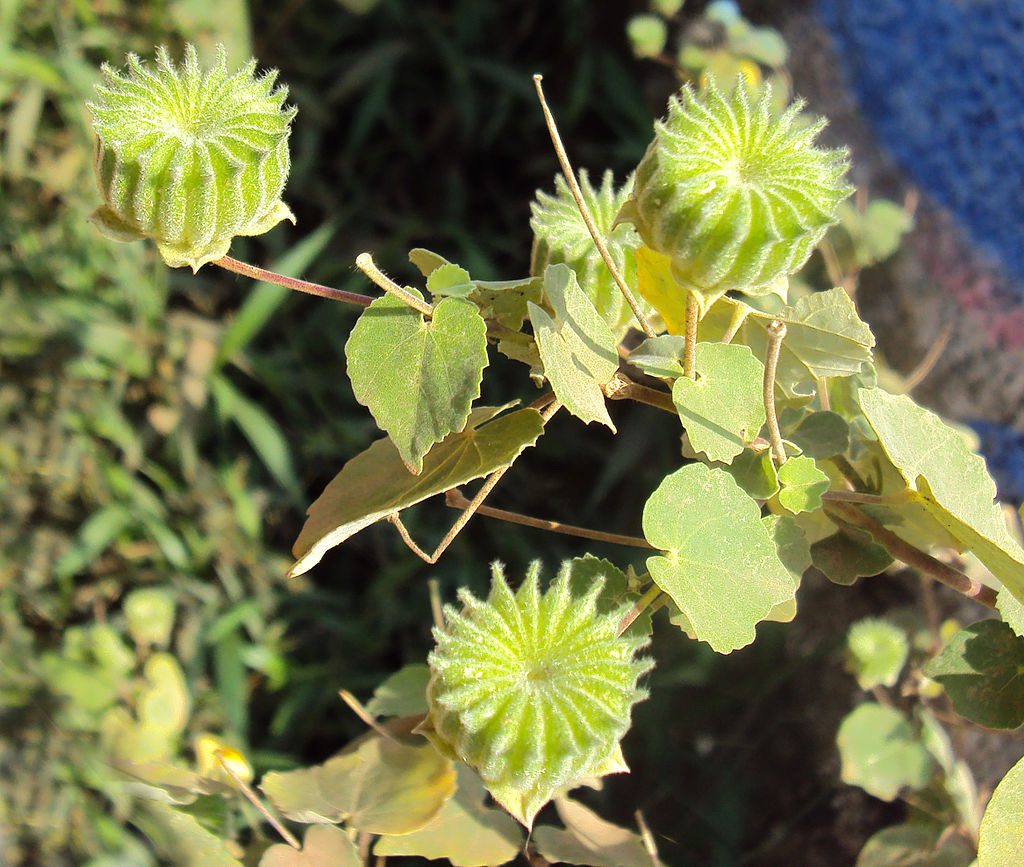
<point x="533" y="690"/>
<point x="190" y="158"/>
<point x="560" y="236"/>
<point x="735" y="196"/>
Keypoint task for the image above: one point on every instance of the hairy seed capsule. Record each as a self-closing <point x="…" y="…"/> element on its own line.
<point x="734" y="195"/>
<point x="190" y="158"/>
<point x="533" y="690"/>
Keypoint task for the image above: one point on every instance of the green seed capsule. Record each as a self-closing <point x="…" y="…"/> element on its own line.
<point x="736" y="196"/>
<point x="533" y="690"/>
<point x="190" y="158"/>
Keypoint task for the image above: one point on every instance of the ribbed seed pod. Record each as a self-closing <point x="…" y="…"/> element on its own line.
<point x="735" y="195"/>
<point x="560" y="236"/>
<point x="533" y="690"/>
<point x="190" y="158"/>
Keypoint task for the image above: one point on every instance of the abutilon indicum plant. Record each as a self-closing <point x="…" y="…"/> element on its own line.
<point x="671" y="290"/>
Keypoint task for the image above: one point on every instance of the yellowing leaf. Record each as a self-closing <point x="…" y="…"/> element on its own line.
<point x="589" y="839"/>
<point x="1002" y="827"/>
<point x="323" y="846"/>
<point x="660" y="289"/>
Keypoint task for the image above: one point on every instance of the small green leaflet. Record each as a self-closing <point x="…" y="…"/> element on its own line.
<point x="465" y="833"/>
<point x="616" y="592"/>
<point x="795" y="554"/>
<point x="982" y="671"/>
<point x="1002" y="827"/>
<point x="754" y="471"/>
<point x="418" y="378"/>
<point x="876" y="652"/>
<point x="404" y="693"/>
<point x="802" y="485"/>
<point x="723" y="408"/>
<point x="880" y="753"/>
<point x="848" y="555"/>
<point x="821" y="435"/>
<point x="660" y="356"/>
<point x="590" y="840"/>
<point x="576" y="346"/>
<point x="824" y="337"/>
<point x="720" y="566"/>
<point x="379" y="786"/>
<point x="376" y="483"/>
<point x="323" y="846"/>
<point x="950" y="481"/>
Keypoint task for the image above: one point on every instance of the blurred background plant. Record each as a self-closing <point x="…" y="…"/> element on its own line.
<point x="163" y="432"/>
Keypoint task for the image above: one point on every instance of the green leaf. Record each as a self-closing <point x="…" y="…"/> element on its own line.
<point x="150" y="615"/>
<point x="1011" y="609"/>
<point x="660" y="356"/>
<point x="848" y="555"/>
<point x="576" y="346"/>
<point x="824" y="337"/>
<point x="720" y="566"/>
<point x="180" y="838"/>
<point x="418" y="378"/>
<point x="795" y="554"/>
<point x="1002" y="827"/>
<point x="948" y="479"/>
<point x="880" y="752"/>
<point x="821" y="435"/>
<point x="802" y="485"/>
<point x="876" y="652"/>
<point x="982" y="670"/>
<point x="465" y="832"/>
<point x="616" y="592"/>
<point x="723" y="408"/>
<point x="754" y="471"/>
<point x="589" y="839"/>
<point x="376" y="483"/>
<point x="380" y="786"/>
<point x="647" y="35"/>
<point x="914" y="846"/>
<point x="323" y="846"/>
<point x="402" y="694"/>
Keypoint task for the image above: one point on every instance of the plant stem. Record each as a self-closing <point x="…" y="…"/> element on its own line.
<point x="858" y="497"/>
<point x="690" y="347"/>
<point x="739" y="316"/>
<point x="364" y="715"/>
<point x="237" y="266"/>
<point x="849" y="471"/>
<point x="776" y="334"/>
<point x="623" y="388"/>
<point x="577" y="194"/>
<point x="457" y="500"/>
<point x="642" y="604"/>
<point x="912" y="556"/>
<point x="253" y="799"/>
<point x="821" y="383"/>
<point x="931" y="358"/>
<point x="365" y="263"/>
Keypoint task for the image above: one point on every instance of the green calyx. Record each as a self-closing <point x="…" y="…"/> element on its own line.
<point x="734" y="194"/>
<point x="190" y="158"/>
<point x="561" y="237"/>
<point x="533" y="690"/>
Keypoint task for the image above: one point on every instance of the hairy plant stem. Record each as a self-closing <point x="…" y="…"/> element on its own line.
<point x="364" y="715"/>
<point x="236" y="266"/>
<point x="776" y="334"/>
<point x="455" y="499"/>
<point x="253" y="799"/>
<point x="642" y="604"/>
<point x="623" y="388"/>
<point x="858" y="497"/>
<point x="489" y="484"/>
<point x="365" y="263"/>
<point x="739" y="315"/>
<point x="690" y="347"/>
<point x="577" y="194"/>
<point x="907" y="553"/>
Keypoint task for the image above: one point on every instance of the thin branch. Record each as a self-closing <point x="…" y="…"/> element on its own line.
<point x="236" y="266"/>
<point x="648" y="839"/>
<point x="577" y="194"/>
<point x="364" y="715"/>
<point x="931" y="358"/>
<point x="642" y="604"/>
<point x="821" y="383"/>
<point x="365" y="263"/>
<point x="914" y="557"/>
<point x="436" y="609"/>
<point x="776" y="334"/>
<point x="623" y="388"/>
<point x="489" y="484"/>
<point x="858" y="497"/>
<point x="739" y="315"/>
<point x="690" y="347"/>
<point x="849" y="471"/>
<point x="455" y="499"/>
<point x="253" y="799"/>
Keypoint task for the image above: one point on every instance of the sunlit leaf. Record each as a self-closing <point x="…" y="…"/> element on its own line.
<point x="576" y="346"/>
<point x="876" y="652"/>
<point x="417" y="377"/>
<point x="659" y="288"/>
<point x="795" y="554"/>
<point x="323" y="846"/>
<point x="880" y="752"/>
<point x="589" y="839"/>
<point x="376" y="483"/>
<point x="403" y="694"/>
<point x="723" y="408"/>
<point x="1002" y="826"/>
<point x="982" y="670"/>
<point x="465" y="832"/>
<point x="948" y="479"/>
<point x="802" y="485"/>
<point x="660" y="356"/>
<point x="754" y="471"/>
<point x="720" y="566"/>
<point x="380" y="786"/>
